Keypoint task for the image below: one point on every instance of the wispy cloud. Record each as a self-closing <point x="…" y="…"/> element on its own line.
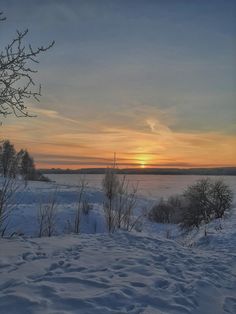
<point x="52" y="114"/>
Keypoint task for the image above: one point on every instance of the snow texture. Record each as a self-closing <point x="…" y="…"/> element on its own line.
<point x="120" y="273"/>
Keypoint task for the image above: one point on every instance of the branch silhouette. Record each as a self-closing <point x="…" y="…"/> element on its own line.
<point x="16" y="81"/>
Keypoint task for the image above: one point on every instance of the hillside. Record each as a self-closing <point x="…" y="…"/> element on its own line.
<point x="120" y="273"/>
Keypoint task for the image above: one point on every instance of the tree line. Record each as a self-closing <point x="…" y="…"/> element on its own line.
<point x="17" y="164"/>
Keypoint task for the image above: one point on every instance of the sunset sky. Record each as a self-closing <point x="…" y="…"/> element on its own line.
<point x="153" y="81"/>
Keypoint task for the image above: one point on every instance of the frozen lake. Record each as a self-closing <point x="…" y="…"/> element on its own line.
<point x="151" y="186"/>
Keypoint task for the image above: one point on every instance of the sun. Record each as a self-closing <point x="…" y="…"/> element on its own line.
<point x="143" y="165"/>
<point x="142" y="161"/>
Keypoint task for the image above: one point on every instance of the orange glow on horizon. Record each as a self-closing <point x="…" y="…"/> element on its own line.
<point x="55" y="144"/>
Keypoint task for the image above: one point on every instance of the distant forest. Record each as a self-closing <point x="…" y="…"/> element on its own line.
<point x="226" y="171"/>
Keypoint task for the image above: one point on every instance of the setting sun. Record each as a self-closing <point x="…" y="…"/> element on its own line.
<point x="142" y="165"/>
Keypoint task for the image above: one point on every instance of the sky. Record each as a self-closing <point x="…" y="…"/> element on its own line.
<point x="153" y="81"/>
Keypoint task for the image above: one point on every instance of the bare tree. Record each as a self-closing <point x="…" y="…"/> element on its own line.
<point x="129" y="221"/>
<point x="47" y="214"/>
<point x="120" y="200"/>
<point x="222" y="197"/>
<point x="8" y="189"/>
<point x="81" y="203"/>
<point x="16" y="74"/>
<point x="110" y="187"/>
<point x="41" y="218"/>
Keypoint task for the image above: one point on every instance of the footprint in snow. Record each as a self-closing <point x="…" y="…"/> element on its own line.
<point x="138" y="284"/>
<point x="162" y="283"/>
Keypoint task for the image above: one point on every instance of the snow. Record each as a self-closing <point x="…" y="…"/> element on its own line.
<point x="24" y="216"/>
<point x="120" y="273"/>
<point x="149" y="186"/>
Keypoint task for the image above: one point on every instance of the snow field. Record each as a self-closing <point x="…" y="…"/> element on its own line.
<point x="122" y="273"/>
<point x="119" y="273"/>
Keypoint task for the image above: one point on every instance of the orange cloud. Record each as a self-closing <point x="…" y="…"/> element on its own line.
<point x="57" y="141"/>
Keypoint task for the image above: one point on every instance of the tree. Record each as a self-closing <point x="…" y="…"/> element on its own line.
<point x="26" y="165"/>
<point x="16" y="74"/>
<point x="8" y="159"/>
<point x="21" y="163"/>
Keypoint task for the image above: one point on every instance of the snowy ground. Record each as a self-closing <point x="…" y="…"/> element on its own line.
<point x="24" y="216"/>
<point x="122" y="273"/>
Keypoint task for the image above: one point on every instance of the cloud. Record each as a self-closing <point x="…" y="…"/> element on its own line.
<point x="158" y="127"/>
<point x="52" y="114"/>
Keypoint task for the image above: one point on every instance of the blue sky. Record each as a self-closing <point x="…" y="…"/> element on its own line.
<point x="129" y="67"/>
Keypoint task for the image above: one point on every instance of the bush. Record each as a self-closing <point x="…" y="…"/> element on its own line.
<point x="47" y="216"/>
<point x="166" y="211"/>
<point x="119" y="202"/>
<point x="160" y="212"/>
<point x="110" y="186"/>
<point x="8" y="189"/>
<point x="86" y="207"/>
<point x="204" y="201"/>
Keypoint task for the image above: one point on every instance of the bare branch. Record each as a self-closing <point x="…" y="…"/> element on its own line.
<point x="16" y="81"/>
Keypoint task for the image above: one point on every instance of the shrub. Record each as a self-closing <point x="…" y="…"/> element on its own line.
<point x="161" y="212"/>
<point x="110" y="185"/>
<point x="47" y="215"/>
<point x="119" y="201"/>
<point x="201" y="202"/>
<point x="204" y="201"/>
<point x="8" y="188"/>
<point x="82" y="204"/>
<point x="86" y="207"/>
<point x="167" y="211"/>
